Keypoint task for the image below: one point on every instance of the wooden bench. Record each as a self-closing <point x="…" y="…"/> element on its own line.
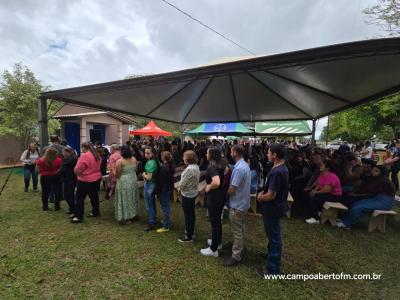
<point x="290" y="201"/>
<point x="202" y="193"/>
<point x="175" y="193"/>
<point x="330" y="212"/>
<point x="105" y="179"/>
<point x="253" y="205"/>
<point x="378" y="220"/>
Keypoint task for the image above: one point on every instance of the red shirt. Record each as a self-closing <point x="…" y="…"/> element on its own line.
<point x="45" y="169"/>
<point x="88" y="167"/>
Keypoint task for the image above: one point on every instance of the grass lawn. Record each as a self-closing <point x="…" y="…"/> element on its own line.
<point x="43" y="256"/>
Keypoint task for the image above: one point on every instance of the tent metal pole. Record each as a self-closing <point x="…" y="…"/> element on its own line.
<point x="327" y="132"/>
<point x="181" y="129"/>
<point x="314" y="125"/>
<point x="43" y="130"/>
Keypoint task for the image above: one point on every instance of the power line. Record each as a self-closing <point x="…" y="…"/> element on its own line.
<point x="209" y="28"/>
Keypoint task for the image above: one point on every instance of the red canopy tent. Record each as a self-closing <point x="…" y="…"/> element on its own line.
<point x="150" y="129"/>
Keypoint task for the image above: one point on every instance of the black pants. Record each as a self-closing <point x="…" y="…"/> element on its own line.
<point x="69" y="195"/>
<point x="49" y="183"/>
<point x="90" y="189"/>
<point x="395" y="179"/>
<point x="300" y="206"/>
<point x="188" y="206"/>
<point x="215" y="208"/>
<point x="318" y="201"/>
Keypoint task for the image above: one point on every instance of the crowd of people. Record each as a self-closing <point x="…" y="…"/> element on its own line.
<point x="234" y="172"/>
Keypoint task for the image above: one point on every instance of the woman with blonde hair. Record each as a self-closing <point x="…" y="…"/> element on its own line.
<point x="189" y="189"/>
<point x="48" y="167"/>
<point x="89" y="176"/>
<point x="29" y="158"/>
<point x="112" y="161"/>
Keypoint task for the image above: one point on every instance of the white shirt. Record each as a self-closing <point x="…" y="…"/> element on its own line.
<point x="33" y="157"/>
<point x="368" y="151"/>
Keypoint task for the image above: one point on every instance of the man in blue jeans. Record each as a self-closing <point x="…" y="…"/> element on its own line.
<point x="395" y="161"/>
<point x="273" y="206"/>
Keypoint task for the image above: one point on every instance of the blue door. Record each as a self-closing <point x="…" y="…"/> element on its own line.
<point x="102" y="129"/>
<point x="72" y="135"/>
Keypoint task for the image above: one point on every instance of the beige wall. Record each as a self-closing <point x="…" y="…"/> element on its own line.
<point x="10" y="149"/>
<point x="113" y="128"/>
<point x="112" y="134"/>
<point x="116" y="130"/>
<point x="125" y="133"/>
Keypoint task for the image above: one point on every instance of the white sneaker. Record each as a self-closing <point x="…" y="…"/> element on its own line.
<point x="340" y="224"/>
<point x="312" y="221"/>
<point x="209" y="242"/>
<point x="209" y="252"/>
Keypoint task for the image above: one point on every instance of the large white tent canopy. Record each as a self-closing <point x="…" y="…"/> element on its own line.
<point x="306" y="84"/>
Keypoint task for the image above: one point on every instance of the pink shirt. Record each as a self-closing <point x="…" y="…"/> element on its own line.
<point x="112" y="162"/>
<point x="332" y="180"/>
<point x="88" y="167"/>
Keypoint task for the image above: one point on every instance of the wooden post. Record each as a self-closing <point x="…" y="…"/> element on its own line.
<point x="43" y="130"/>
<point x="314" y="125"/>
<point x="182" y="130"/>
<point x="327" y="133"/>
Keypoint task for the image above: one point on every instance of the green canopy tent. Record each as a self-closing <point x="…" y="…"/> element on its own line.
<point x="290" y="128"/>
<point x="221" y="129"/>
<point x="232" y="138"/>
<point x="226" y="138"/>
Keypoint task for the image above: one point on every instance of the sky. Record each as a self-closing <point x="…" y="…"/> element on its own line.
<point x="78" y="42"/>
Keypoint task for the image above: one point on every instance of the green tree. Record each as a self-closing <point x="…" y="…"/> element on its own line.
<point x="324" y="134"/>
<point x="353" y="125"/>
<point x="388" y="115"/>
<point x="19" y="92"/>
<point x="380" y="118"/>
<point x="385" y="14"/>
